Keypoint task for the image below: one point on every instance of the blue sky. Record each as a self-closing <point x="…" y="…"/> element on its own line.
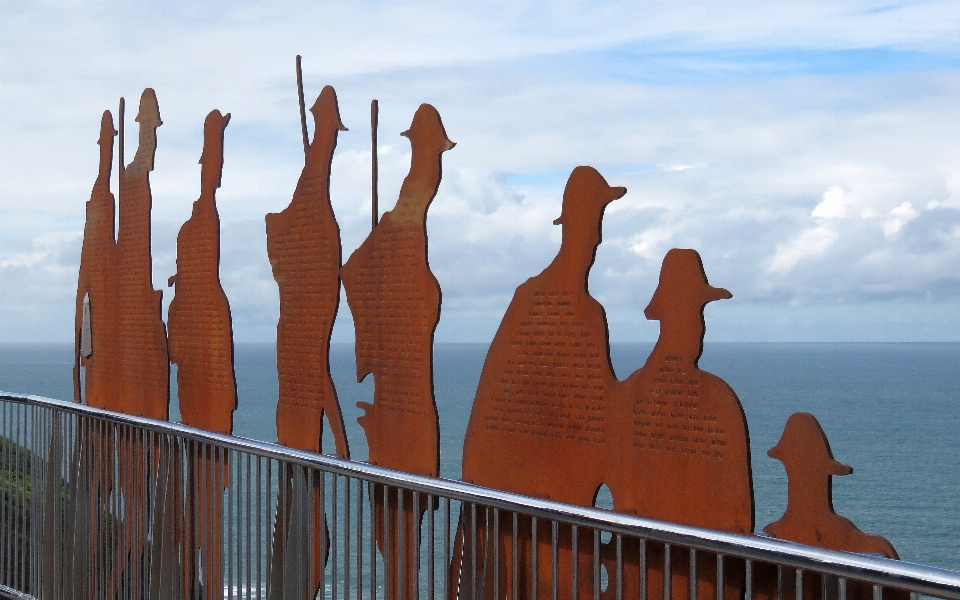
<point x="809" y="150"/>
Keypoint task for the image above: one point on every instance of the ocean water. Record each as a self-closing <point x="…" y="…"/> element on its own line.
<point x="892" y="411"/>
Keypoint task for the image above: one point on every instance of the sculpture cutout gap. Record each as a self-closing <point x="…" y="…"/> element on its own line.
<point x="303" y="243"/>
<point x="395" y="302"/>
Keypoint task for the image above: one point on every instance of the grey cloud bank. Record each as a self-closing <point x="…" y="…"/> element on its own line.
<point x="810" y="152"/>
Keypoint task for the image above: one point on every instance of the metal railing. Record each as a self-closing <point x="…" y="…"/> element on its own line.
<point x="101" y="505"/>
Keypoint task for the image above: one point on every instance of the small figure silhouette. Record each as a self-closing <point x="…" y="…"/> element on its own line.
<point x="540" y="423"/>
<point x="683" y="453"/>
<point x="810" y="518"/>
<point x="395" y="302"/>
<point x="201" y="345"/>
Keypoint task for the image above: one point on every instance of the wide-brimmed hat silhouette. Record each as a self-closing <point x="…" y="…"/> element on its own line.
<point x="585" y="196"/>
<point x="804" y="445"/>
<point x="683" y="285"/>
<point x="427" y="127"/>
<point x="326" y="107"/>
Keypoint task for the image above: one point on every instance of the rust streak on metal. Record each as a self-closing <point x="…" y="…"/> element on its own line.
<point x="395" y="301"/>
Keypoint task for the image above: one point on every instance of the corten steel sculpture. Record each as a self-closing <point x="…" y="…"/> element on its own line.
<point x="144" y="368"/>
<point x="96" y="307"/>
<point x="96" y="346"/>
<point x="810" y="518"/>
<point x="395" y="302"/>
<point x="682" y="454"/>
<point x="201" y="345"/>
<point x="144" y="372"/>
<point x="540" y="423"/>
<point x="303" y="243"/>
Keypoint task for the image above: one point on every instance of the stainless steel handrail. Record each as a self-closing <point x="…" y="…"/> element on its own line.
<point x="918" y="579"/>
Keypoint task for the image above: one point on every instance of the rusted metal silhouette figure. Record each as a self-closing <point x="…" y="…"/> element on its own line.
<point x="96" y="308"/>
<point x="683" y="453"/>
<point x="540" y="423"/>
<point x="810" y="518"/>
<point x="144" y="368"/>
<point x="395" y="301"/>
<point x="201" y="344"/>
<point x="96" y="352"/>
<point x="303" y="243"/>
<point x="144" y="373"/>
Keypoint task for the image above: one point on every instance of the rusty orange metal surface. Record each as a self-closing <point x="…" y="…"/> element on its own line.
<point x="96" y="337"/>
<point x="810" y="518"/>
<point x="395" y="302"/>
<point x="199" y="323"/>
<point x="144" y="369"/>
<point x="201" y="345"/>
<point x="540" y="423"/>
<point x="97" y="287"/>
<point x="682" y="452"/>
<point x="303" y="243"/>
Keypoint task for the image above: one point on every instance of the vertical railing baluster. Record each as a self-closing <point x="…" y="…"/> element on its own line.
<point x="431" y="550"/>
<point x="514" y="546"/>
<point x="596" y="565"/>
<point x="721" y="580"/>
<point x="574" y="560"/>
<point x="667" y="576"/>
<point x="693" y="577"/>
<point x="799" y="584"/>
<point x="401" y="557"/>
<point x="347" y="507"/>
<point x="534" y="566"/>
<point x="643" y="569"/>
<point x="748" y="592"/>
<point x="359" y="541"/>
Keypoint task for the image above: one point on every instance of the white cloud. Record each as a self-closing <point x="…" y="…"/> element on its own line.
<point x="725" y="144"/>
<point x="898" y="217"/>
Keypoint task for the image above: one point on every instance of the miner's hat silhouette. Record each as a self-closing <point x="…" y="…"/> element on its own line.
<point x="326" y="107"/>
<point x="149" y="113"/>
<point x="683" y="285"/>
<point x="586" y="195"/>
<point x="213" y="127"/>
<point x="804" y="444"/>
<point x="106" y="128"/>
<point x="427" y="127"/>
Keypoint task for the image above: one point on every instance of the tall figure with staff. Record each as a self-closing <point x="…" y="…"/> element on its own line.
<point x="303" y="244"/>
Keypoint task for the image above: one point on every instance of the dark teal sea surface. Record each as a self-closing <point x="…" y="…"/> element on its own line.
<point x="892" y="411"/>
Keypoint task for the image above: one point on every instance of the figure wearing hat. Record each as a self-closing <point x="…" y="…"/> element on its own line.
<point x="395" y="302"/>
<point x="683" y="455"/>
<point x="144" y="365"/>
<point x="810" y="518"/>
<point x="540" y="423"/>
<point x="96" y="351"/>
<point x="201" y="345"/>
<point x="303" y="244"/>
<point x="96" y="307"/>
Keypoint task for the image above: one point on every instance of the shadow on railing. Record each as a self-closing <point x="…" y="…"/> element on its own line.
<point x="101" y="505"/>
